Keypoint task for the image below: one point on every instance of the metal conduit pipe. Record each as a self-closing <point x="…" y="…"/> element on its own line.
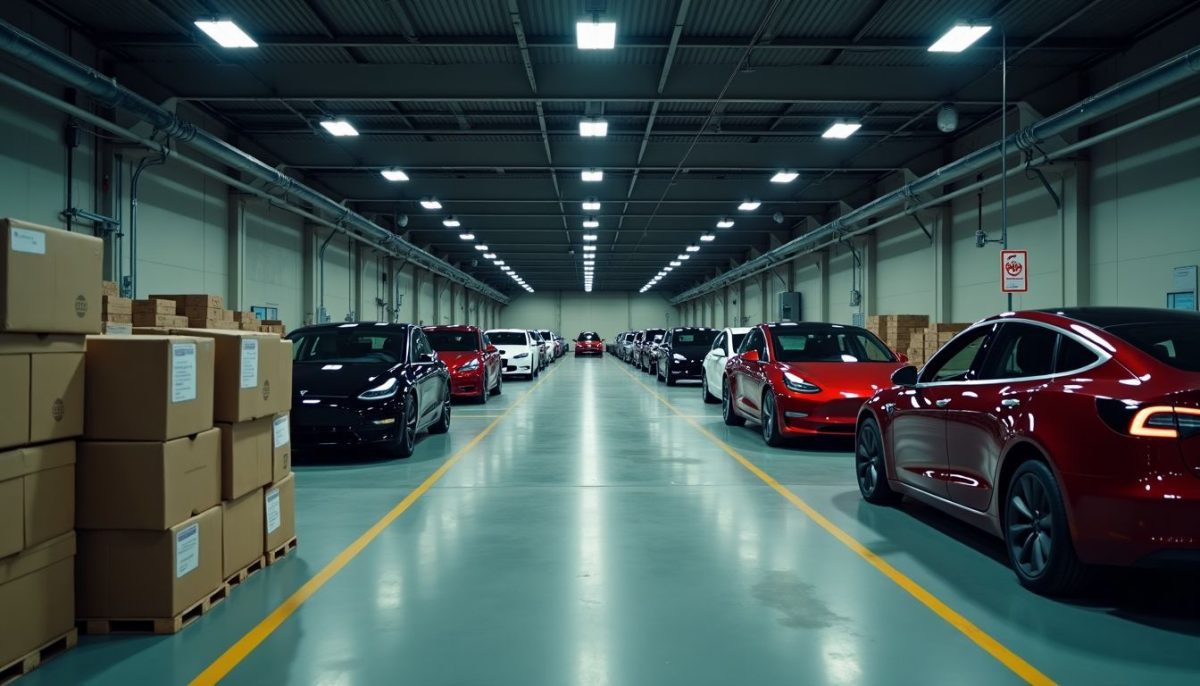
<point x="32" y="52"/>
<point x="1087" y="110"/>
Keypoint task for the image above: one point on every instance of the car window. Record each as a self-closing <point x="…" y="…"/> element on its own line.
<point x="757" y="342"/>
<point x="453" y="341"/>
<point x="836" y="345"/>
<point x="719" y="342"/>
<point x="1073" y="355"/>
<point x="953" y="363"/>
<point x="1020" y="350"/>
<point x="508" y="338"/>
<point x="588" y="336"/>
<point x="349" y="347"/>
<point x="736" y="342"/>
<point x="1176" y="344"/>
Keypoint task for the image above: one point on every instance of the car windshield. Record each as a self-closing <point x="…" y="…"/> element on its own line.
<point x="1176" y="343"/>
<point x="829" y="345"/>
<point x="453" y="341"/>
<point x="546" y="334"/>
<point x="588" y="336"/>
<point x="507" y="338"/>
<point x="652" y="334"/>
<point x="350" y="347"/>
<point x="692" y="341"/>
<point x="737" y="340"/>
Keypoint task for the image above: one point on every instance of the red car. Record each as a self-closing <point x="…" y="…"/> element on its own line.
<point x="1074" y="435"/>
<point x="805" y="379"/>
<point x="473" y="361"/>
<point x="589" y="343"/>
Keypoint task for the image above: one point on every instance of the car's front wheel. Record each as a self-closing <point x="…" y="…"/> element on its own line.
<point x="870" y="467"/>
<point x="406" y="437"/>
<point x="771" y="433"/>
<point x="708" y="396"/>
<point x="1036" y="533"/>
<point x="731" y="417"/>
<point x="667" y="376"/>
<point x="499" y="384"/>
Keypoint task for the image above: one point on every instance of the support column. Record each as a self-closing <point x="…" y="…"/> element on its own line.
<point x="867" y="252"/>
<point x="416" y="295"/>
<point x="356" y="291"/>
<point x="942" y="265"/>
<point x="308" y="300"/>
<point x="1076" y="235"/>
<point x="822" y="299"/>
<point x="236" y="265"/>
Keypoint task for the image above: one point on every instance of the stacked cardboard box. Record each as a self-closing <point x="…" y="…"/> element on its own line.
<point x="247" y="321"/>
<point x="896" y="329"/>
<point x="202" y="311"/>
<point x="156" y="312"/>
<point x="116" y="314"/>
<point x="274" y="326"/>
<point x="49" y="300"/>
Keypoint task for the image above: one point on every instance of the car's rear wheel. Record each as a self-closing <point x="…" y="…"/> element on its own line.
<point x="771" y="433"/>
<point x="442" y="425"/>
<point x="406" y="437"/>
<point x="731" y="417"/>
<point x="1036" y="534"/>
<point x="708" y="397"/>
<point x="870" y="467"/>
<point x="499" y="385"/>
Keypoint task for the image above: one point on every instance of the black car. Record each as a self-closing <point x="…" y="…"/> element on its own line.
<point x="681" y="353"/>
<point x="366" y="384"/>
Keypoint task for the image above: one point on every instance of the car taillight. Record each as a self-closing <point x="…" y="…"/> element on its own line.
<point x="1150" y="421"/>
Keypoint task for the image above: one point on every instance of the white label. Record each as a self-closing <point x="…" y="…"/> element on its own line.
<point x="183" y="372"/>
<point x="249" y="363"/>
<point x="26" y="240"/>
<point x="273" y="518"/>
<point x="283" y="431"/>
<point x="187" y="550"/>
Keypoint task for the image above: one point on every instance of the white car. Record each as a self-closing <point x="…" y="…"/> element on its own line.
<point x="551" y="344"/>
<point x="518" y="352"/>
<point x="713" y="374"/>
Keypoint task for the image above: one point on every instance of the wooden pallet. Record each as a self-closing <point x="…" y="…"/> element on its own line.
<point x="167" y="625"/>
<point x="281" y="552"/>
<point x="238" y="578"/>
<point x="27" y="663"/>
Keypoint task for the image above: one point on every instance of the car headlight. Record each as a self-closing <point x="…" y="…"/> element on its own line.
<point x="520" y="355"/>
<point x="678" y="358"/>
<point x="795" y="383"/>
<point x="470" y="366"/>
<point x="385" y="390"/>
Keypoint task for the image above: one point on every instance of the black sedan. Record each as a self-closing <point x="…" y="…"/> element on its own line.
<point x="681" y="353"/>
<point x="366" y="384"/>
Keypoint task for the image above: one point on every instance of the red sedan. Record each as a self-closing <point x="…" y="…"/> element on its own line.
<point x="589" y="343"/>
<point x="473" y="361"/>
<point x="1074" y="435"/>
<point x="805" y="379"/>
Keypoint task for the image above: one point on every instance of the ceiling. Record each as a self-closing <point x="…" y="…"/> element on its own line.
<point x="479" y="102"/>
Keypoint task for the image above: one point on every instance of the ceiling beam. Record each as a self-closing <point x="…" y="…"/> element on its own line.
<point x="724" y="132"/>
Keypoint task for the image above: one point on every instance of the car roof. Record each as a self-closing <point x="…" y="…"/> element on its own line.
<point x="506" y="331"/>
<point x="809" y="327"/>
<point x="450" y="327"/>
<point x="374" y="326"/>
<point x="1106" y="317"/>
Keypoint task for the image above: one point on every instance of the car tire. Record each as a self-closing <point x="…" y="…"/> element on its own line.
<point x="730" y="415"/>
<point x="1036" y="534"/>
<point x="667" y="377"/>
<point x="709" y="398"/>
<point x="870" y="465"/>
<point x="771" y="432"/>
<point x="499" y="385"/>
<point x="406" y="438"/>
<point x="442" y="425"/>
<point x="484" y="391"/>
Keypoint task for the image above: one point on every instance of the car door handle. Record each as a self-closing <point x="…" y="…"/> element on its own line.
<point x="943" y="402"/>
<point x="1010" y="402"/>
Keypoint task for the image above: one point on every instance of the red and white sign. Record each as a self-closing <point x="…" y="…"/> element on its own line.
<point x="1014" y="271"/>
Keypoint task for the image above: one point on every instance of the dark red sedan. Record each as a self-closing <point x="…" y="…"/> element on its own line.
<point x="1073" y="434"/>
<point x="805" y="379"/>
<point x="473" y="361"/>
<point x="589" y="343"/>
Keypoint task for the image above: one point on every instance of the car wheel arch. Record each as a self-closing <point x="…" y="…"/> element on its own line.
<point x="1016" y="454"/>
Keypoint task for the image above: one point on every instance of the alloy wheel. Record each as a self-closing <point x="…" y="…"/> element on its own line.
<point x="1030" y="525"/>
<point x="868" y="461"/>
<point x="768" y="418"/>
<point x="410" y="423"/>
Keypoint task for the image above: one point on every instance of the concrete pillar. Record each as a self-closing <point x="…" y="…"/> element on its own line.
<point x="822" y="299"/>
<point x="1076" y="235"/>
<point x="867" y="252"/>
<point x="941" y="228"/>
<point x="236" y="267"/>
<point x="308" y="300"/>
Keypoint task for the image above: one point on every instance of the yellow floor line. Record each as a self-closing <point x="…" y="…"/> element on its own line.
<point x="230" y="659"/>
<point x="981" y="638"/>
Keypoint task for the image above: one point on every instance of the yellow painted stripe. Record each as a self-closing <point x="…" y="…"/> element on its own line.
<point x="224" y="664"/>
<point x="1007" y="657"/>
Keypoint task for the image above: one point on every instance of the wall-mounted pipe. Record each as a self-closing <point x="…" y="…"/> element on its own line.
<point x="1087" y="110"/>
<point x="32" y="52"/>
<point x="143" y="164"/>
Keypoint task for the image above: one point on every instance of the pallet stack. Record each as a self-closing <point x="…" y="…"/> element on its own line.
<point x="50" y="299"/>
<point x="934" y="337"/>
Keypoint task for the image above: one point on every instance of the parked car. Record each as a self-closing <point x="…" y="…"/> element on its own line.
<point x="543" y="351"/>
<point x="552" y="346"/>
<point x="1071" y="434"/>
<point x="366" y="384"/>
<point x="643" y="351"/>
<point x="563" y="346"/>
<point x="614" y="343"/>
<point x="519" y="354"/>
<point x="805" y="379"/>
<point x="589" y="343"/>
<point x="712" y="373"/>
<point x="681" y="353"/>
<point x="625" y="351"/>
<point x="474" y="362"/>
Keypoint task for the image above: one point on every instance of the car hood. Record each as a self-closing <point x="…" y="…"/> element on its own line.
<point x="859" y="378"/>
<point x="457" y="358"/>
<point x="319" y="380"/>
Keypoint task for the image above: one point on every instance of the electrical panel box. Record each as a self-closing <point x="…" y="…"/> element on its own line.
<point x="791" y="307"/>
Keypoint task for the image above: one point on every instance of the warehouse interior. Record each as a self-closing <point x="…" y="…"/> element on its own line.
<point x="437" y="163"/>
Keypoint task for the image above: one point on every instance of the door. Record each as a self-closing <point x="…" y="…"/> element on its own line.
<point x="714" y="364"/>
<point x="980" y="422"/>
<point x="917" y="431"/>
<point x="424" y="376"/>
<point x="751" y="376"/>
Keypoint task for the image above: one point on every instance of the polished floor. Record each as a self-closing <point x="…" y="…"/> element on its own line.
<point x="594" y="527"/>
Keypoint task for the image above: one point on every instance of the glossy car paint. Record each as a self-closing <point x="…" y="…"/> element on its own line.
<point x="718" y="356"/>
<point x="674" y="362"/>
<point x="1129" y="499"/>
<point x="510" y="364"/>
<point x="625" y="351"/>
<point x="476" y="383"/>
<point x="844" y="386"/>
<point x="643" y="352"/>
<point x="589" y="343"/>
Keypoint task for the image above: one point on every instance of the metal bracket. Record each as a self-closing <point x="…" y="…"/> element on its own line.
<point x="916" y="217"/>
<point x="1029" y="167"/>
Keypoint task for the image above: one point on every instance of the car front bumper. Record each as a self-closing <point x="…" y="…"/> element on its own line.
<point x="816" y="415"/>
<point x="332" y="423"/>
<point x="467" y="384"/>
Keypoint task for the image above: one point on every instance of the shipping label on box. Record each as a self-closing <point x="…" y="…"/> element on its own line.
<point x="279" y="503"/>
<point x="187" y="550"/>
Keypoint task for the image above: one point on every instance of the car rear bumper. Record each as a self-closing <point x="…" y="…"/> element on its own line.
<point x="1152" y="521"/>
<point x="691" y="369"/>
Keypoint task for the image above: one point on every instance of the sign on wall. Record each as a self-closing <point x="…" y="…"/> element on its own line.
<point x="1014" y="271"/>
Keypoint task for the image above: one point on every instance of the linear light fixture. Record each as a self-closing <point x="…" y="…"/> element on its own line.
<point x="451" y="222"/>
<point x="749" y="205"/>
<point x="676" y="263"/>
<point x="708" y="237"/>
<point x="785" y="176"/>
<point x="590" y="223"/>
<point x="431" y="203"/>
<point x="394" y="174"/>
<point x="489" y="256"/>
<point x="589" y="236"/>
<point x="724" y="223"/>
<point x="960" y="37"/>
<point x="693" y="248"/>
<point x="339" y="127"/>
<point x="592" y="175"/>
<point x="589" y="248"/>
<point x="591" y="205"/>
<point x="683" y="256"/>
<point x="467" y="236"/>
<point x="841" y="130"/>
<point x="667" y="269"/>
<point x="481" y="247"/>
<point x="596" y="35"/>
<point x="593" y="128"/>
<point x="226" y="33"/>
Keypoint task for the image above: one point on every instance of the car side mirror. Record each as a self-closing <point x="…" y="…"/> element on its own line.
<point x="902" y="357"/>
<point x="718" y="352"/>
<point x="750" y="356"/>
<point x="905" y="376"/>
<point x="491" y="348"/>
<point x="428" y="357"/>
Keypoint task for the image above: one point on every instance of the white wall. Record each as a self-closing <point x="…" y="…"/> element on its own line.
<point x="569" y="312"/>
<point x="274" y="262"/>
<point x="182" y="233"/>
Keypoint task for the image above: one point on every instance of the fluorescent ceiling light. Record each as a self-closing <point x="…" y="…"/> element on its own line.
<point x="596" y="35"/>
<point x="481" y="247"/>
<point x="591" y="205"/>
<point x="749" y="205"/>
<point x="708" y="237"/>
<point x="589" y="263"/>
<point x="489" y="256"/>
<point x="451" y="222"/>
<point x="960" y="37"/>
<point x="505" y="268"/>
<point x="339" y="127"/>
<point x="589" y="248"/>
<point x="785" y="176"/>
<point x="431" y="204"/>
<point x="592" y="175"/>
<point x="841" y="129"/>
<point x="226" y="33"/>
<point x="467" y="236"/>
<point x="693" y="248"/>
<point x="683" y="256"/>
<point x="498" y="263"/>
<point x="676" y="263"/>
<point x="593" y="128"/>
<point x="724" y="223"/>
<point x="667" y="269"/>
<point x="590" y="223"/>
<point x="589" y="236"/>
<point x="394" y="175"/>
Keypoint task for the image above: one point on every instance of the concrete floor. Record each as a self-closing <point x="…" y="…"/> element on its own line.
<point x="595" y="535"/>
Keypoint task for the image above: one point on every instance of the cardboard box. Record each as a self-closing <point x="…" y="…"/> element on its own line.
<point x="125" y="319"/>
<point x="247" y="457"/>
<point x="245" y="316"/>
<point x="253" y="374"/>
<point x="42" y="384"/>
<point x="49" y="279"/>
<point x="148" y="388"/>
<point x="217" y="324"/>
<point x="158" y="320"/>
<point x="110" y="288"/>
<point x="279" y="507"/>
<point x="214" y="313"/>
<point x="243" y="521"/>
<point x="149" y="574"/>
<point x="250" y="326"/>
<point x="183" y="302"/>
<point x="147" y="484"/>
<point x="116" y="329"/>
<point x="110" y="304"/>
<point x="154" y="306"/>
<point x="37" y="597"/>
<point x="37" y="495"/>
<point x="281" y="433"/>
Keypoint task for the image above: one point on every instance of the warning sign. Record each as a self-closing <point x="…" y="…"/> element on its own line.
<point x="1014" y="271"/>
